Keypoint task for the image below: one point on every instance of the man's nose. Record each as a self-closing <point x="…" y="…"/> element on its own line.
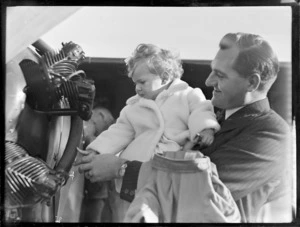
<point x="210" y="81"/>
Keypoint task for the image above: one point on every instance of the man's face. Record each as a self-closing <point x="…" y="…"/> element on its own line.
<point x="147" y="84"/>
<point x="229" y="87"/>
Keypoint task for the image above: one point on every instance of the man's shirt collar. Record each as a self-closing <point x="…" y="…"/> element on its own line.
<point x="228" y="113"/>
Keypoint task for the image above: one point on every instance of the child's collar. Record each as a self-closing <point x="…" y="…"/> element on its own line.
<point x="176" y="85"/>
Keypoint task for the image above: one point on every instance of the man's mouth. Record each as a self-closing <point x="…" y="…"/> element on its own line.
<point x="216" y="91"/>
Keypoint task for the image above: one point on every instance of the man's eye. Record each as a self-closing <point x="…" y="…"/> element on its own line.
<point x="219" y="75"/>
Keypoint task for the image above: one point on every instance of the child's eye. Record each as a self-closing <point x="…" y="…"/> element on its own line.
<point x="138" y="82"/>
<point x="141" y="82"/>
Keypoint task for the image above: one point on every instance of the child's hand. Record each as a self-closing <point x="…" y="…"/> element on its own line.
<point x="86" y="152"/>
<point x="205" y="137"/>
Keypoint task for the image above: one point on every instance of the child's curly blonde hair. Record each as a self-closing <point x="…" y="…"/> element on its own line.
<point x="159" y="61"/>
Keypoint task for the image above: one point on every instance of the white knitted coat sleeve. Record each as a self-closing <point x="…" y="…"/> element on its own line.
<point x="116" y="137"/>
<point x="202" y="114"/>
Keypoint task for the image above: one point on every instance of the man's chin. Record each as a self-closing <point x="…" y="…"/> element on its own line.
<point x="217" y="103"/>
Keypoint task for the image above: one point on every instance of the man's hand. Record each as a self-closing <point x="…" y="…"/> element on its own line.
<point x="100" y="167"/>
<point x="205" y="137"/>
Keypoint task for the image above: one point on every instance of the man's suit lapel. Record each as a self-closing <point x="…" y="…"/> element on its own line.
<point x="236" y="121"/>
<point x="231" y="124"/>
<point x="243" y="116"/>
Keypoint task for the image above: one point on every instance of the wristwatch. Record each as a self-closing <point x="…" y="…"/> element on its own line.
<point x="122" y="170"/>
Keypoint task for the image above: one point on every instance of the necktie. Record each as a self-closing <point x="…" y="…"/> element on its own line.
<point x="220" y="115"/>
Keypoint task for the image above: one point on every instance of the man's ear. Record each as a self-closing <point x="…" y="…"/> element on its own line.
<point x="254" y="82"/>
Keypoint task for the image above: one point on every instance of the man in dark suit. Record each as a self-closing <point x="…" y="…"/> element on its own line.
<point x="252" y="149"/>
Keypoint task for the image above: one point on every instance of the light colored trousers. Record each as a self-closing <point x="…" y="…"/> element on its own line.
<point x="181" y="187"/>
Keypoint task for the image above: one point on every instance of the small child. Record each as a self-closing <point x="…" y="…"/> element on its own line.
<point x="165" y="113"/>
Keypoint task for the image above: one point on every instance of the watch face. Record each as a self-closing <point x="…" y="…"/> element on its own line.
<point x="122" y="172"/>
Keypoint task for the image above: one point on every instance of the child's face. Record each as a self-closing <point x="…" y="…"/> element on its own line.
<point x="147" y="84"/>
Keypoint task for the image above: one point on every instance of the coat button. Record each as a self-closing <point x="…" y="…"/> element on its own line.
<point x="126" y="191"/>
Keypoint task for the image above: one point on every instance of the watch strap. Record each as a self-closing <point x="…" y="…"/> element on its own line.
<point x="130" y="179"/>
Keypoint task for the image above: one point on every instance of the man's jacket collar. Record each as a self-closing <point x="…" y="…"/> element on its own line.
<point x="245" y="114"/>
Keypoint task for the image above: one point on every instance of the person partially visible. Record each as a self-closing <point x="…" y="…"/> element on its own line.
<point x="252" y="150"/>
<point x="96" y="205"/>
<point x="100" y="121"/>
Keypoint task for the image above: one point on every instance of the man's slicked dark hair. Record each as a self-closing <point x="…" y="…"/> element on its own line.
<point x="255" y="56"/>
